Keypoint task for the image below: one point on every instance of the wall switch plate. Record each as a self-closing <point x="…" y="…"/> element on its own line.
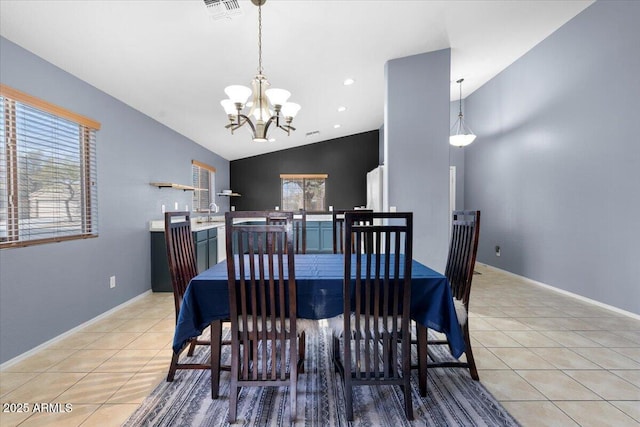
<point x="112" y="282"/>
<point x="497" y="250"/>
<point x="393" y="209"/>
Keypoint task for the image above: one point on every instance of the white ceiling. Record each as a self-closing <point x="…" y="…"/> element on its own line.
<point x="171" y="61"/>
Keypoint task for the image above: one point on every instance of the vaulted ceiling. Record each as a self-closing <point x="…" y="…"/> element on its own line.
<point x="171" y="60"/>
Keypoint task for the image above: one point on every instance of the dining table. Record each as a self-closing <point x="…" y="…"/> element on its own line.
<point x="319" y="290"/>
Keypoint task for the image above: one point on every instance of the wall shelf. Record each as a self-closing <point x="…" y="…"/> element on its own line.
<point x="173" y="185"/>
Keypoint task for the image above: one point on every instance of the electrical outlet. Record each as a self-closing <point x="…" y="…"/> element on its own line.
<point x="497" y="250"/>
<point x="112" y="282"/>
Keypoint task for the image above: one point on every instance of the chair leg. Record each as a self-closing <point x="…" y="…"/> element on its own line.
<point x="192" y="347"/>
<point x="422" y="358"/>
<point x="173" y="367"/>
<point x="348" y="395"/>
<point x="216" y="348"/>
<point x="293" y="392"/>
<point x="301" y="351"/>
<point x="336" y="353"/>
<point x="406" y="374"/>
<point x="233" y="401"/>
<point x="408" y="404"/>
<point x="473" y="371"/>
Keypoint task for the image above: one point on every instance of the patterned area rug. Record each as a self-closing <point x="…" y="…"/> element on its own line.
<point x="453" y="399"/>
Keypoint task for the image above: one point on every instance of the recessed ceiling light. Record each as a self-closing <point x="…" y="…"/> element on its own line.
<point x="336" y="126"/>
<point x="272" y="140"/>
<point x="349" y="81"/>
<point x="342" y="108"/>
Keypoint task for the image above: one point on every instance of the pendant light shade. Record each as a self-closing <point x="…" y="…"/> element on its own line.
<point x="460" y="135"/>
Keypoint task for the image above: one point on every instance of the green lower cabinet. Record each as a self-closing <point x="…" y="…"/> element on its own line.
<point x="326" y="237"/>
<point x="206" y="243"/>
<point x="319" y="237"/>
<point x="313" y="237"/>
<point x="200" y="239"/>
<point x="212" y="248"/>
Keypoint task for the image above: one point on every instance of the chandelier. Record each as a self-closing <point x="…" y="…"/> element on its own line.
<point x="268" y="106"/>
<point x="460" y="134"/>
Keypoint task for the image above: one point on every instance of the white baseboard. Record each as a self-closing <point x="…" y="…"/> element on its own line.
<point x="64" y="335"/>
<point x="571" y="294"/>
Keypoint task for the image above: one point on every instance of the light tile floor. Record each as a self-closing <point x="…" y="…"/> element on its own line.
<point x="550" y="359"/>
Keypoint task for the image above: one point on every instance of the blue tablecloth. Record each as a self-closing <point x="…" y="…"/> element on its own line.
<point x="319" y="294"/>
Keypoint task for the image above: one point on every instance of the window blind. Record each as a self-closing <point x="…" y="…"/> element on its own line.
<point x="203" y="176"/>
<point x="47" y="175"/>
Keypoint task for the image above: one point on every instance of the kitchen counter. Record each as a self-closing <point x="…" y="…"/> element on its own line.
<point x="158" y="225"/>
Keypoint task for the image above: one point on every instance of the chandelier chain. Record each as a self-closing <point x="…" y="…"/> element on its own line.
<point x="260" y="39"/>
<point x="460" y="99"/>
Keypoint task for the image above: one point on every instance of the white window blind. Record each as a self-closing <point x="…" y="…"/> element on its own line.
<point x="203" y="182"/>
<point x="47" y="172"/>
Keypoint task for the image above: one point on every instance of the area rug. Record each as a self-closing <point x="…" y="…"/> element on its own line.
<point x="453" y="399"/>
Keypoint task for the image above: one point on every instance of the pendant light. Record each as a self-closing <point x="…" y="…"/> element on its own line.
<point x="460" y="135"/>
<point x="269" y="106"/>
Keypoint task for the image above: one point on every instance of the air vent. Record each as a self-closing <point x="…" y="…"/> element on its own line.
<point x="220" y="9"/>
<point x="312" y="133"/>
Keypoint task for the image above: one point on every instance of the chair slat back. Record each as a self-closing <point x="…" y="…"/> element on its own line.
<point x="462" y="253"/>
<point x="338" y="218"/>
<point x="262" y="295"/>
<point x="377" y="291"/>
<point x="299" y="230"/>
<point x="180" y="253"/>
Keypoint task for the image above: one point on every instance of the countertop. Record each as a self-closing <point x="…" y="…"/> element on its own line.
<point x="158" y="225"/>
<point x="218" y="221"/>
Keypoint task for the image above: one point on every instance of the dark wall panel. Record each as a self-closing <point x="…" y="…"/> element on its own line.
<point x="346" y="160"/>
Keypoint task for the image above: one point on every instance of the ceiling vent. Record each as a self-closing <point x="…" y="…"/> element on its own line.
<point x="220" y="9"/>
<point x="312" y="133"/>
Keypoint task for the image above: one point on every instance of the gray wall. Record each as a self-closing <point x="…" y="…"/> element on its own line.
<point x="417" y="148"/>
<point x="46" y="290"/>
<point x="556" y="165"/>
<point x="346" y="160"/>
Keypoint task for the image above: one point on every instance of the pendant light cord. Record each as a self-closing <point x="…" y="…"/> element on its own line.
<point x="460" y="84"/>
<point x="260" y="39"/>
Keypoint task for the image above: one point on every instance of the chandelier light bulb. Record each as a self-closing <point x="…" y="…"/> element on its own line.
<point x="238" y="94"/>
<point x="290" y="109"/>
<point x="277" y="96"/>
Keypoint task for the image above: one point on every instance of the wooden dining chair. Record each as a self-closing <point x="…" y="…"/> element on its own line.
<point x="300" y="247"/>
<point x="299" y="229"/>
<point x="262" y="301"/>
<point x="373" y="346"/>
<point x="338" y="229"/>
<point x="182" y="268"/>
<point x="459" y="271"/>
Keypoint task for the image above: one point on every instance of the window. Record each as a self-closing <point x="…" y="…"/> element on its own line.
<point x="48" y="189"/>
<point x="305" y="192"/>
<point x="204" y="183"/>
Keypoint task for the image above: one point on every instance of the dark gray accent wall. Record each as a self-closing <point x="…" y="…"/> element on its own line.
<point x="556" y="165"/>
<point x="45" y="290"/>
<point x="346" y="160"/>
<point x="416" y="142"/>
